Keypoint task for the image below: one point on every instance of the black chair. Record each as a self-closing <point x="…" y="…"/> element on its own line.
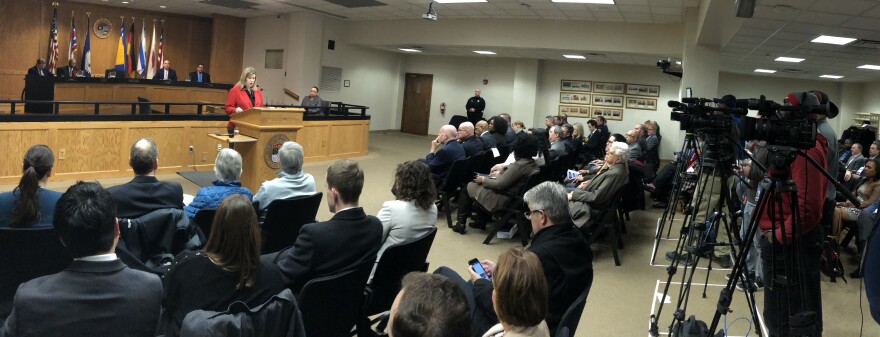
<point x="458" y="175"/>
<point x="514" y="210"/>
<point x="284" y="219"/>
<point x="569" y="323"/>
<point x="457" y="119"/>
<point x="396" y="261"/>
<point x="598" y="224"/>
<point x="204" y="218"/>
<point x="28" y="253"/>
<point x="332" y="305"/>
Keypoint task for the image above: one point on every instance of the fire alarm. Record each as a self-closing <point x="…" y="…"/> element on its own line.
<point x="485" y="81"/>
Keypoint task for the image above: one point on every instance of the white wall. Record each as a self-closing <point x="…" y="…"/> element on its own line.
<point x="263" y="33"/>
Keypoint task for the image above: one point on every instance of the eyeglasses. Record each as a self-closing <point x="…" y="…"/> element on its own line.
<point x="529" y="213"/>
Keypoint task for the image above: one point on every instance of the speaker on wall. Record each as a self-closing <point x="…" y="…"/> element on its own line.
<point x="745" y="8"/>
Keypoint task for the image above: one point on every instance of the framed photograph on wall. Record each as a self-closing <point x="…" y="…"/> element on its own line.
<point x="575" y="98"/>
<point x="609" y="113"/>
<point x="608" y="88"/>
<point x="643" y="90"/>
<point x="641" y="103"/>
<point x="575" y="111"/>
<point x="576" y="85"/>
<point x="608" y="100"/>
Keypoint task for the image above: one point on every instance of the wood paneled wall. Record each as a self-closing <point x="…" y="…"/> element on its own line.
<point x="189" y="40"/>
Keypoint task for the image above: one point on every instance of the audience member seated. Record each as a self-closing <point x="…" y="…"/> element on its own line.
<point x="227" y="270"/>
<point x="30" y="204"/>
<point x="413" y="213"/>
<point x="498" y="130"/>
<point x="867" y="192"/>
<point x="593" y="141"/>
<point x="635" y="149"/>
<point x="444" y="151"/>
<point x="465" y="136"/>
<point x="291" y="181"/>
<point x="519" y="127"/>
<point x="600" y="190"/>
<point x="557" y="147"/>
<point x="845" y="146"/>
<point x="873" y="152"/>
<point x="652" y="148"/>
<point x="510" y="134"/>
<point x="488" y="190"/>
<point x="348" y="240"/>
<point x="429" y="306"/>
<point x="227" y="169"/>
<point x="577" y="136"/>
<point x="566" y="138"/>
<point x="517" y="292"/>
<point x="97" y="295"/>
<point x="511" y="158"/>
<point x="856" y="160"/>
<point x="566" y="260"/>
<point x="482" y="129"/>
<point x="145" y="193"/>
<point x="594" y="166"/>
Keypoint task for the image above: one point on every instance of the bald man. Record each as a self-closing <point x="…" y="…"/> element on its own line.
<point x="475" y="106"/>
<point x="444" y="151"/>
<point x="465" y="136"/>
<point x="145" y="193"/>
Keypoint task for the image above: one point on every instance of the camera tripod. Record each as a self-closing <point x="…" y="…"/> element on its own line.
<point x="688" y="147"/>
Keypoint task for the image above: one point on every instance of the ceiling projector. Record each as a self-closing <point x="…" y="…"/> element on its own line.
<point x="431" y="14"/>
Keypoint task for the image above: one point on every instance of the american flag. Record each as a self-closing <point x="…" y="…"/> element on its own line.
<point x="71" y="50"/>
<point x="52" y="60"/>
<point x="160" y="57"/>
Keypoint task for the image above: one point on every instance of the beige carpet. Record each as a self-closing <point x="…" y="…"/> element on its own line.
<point x="622" y="297"/>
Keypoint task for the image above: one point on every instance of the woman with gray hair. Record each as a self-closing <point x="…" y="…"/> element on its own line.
<point x="602" y="189"/>
<point x="227" y="169"/>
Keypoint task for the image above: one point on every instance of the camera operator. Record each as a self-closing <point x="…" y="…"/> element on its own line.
<point x="791" y="260"/>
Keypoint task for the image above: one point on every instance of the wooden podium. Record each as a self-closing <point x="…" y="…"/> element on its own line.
<point x="271" y="127"/>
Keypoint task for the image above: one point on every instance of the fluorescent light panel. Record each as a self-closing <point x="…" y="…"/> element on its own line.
<point x="789" y="59"/>
<point x="484" y="52"/>
<point x="766" y="71"/>
<point x="833" y="40"/>
<point x="601" y="2"/>
<point x="832" y="76"/>
<point x="869" y="66"/>
<point x="458" y="1"/>
<point x="410" y="50"/>
<point x="579" y="57"/>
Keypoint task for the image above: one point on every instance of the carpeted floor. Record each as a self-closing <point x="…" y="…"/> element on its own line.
<point x="622" y="298"/>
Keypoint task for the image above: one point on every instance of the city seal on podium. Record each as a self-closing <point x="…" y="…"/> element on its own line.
<point x="270" y="153"/>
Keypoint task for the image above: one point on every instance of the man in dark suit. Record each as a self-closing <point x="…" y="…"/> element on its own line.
<point x="345" y="242"/>
<point x="483" y="131"/>
<point x="145" y="193"/>
<point x="70" y="70"/>
<point x="510" y="134"/>
<point x="200" y="75"/>
<point x="475" y="106"/>
<point x="97" y="295"/>
<point x="444" y="151"/>
<point x="593" y="146"/>
<point x="39" y="69"/>
<point x="166" y="73"/>
<point x="565" y="257"/>
<point x="465" y="136"/>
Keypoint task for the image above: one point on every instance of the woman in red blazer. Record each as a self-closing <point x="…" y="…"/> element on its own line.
<point x="244" y="95"/>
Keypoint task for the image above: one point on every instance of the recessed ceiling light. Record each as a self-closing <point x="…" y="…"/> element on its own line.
<point x="833" y="40"/>
<point x="832" y="76"/>
<point x="601" y="2"/>
<point x="579" y="57"/>
<point x="458" y="1"/>
<point x="767" y="71"/>
<point x="410" y="50"/>
<point x="484" y="52"/>
<point x="788" y="59"/>
<point x="162" y="6"/>
<point x="125" y="2"/>
<point x="869" y="66"/>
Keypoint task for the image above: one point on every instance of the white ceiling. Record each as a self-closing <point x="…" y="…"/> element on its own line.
<point x="779" y="27"/>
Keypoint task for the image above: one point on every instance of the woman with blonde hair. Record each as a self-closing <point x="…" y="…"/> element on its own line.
<point x="244" y="95"/>
<point x="520" y="295"/>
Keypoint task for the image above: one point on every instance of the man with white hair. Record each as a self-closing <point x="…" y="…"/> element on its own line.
<point x="227" y="170"/>
<point x="444" y="151"/>
<point x="465" y="136"/>
<point x="291" y="181"/>
<point x="602" y="189"/>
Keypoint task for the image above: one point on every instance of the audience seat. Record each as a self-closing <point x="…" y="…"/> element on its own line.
<point x="204" y="219"/>
<point x="569" y="323"/>
<point x="157" y="237"/>
<point x="597" y="224"/>
<point x="514" y="210"/>
<point x="459" y="174"/>
<point x="25" y="254"/>
<point x="331" y="305"/>
<point x="277" y="317"/>
<point x="284" y="219"/>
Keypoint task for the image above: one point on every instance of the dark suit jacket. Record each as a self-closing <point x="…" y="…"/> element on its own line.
<point x="160" y="74"/>
<point x="145" y="194"/>
<point x="855" y="162"/>
<point x="488" y="140"/>
<point x="441" y="161"/>
<point x="206" y="78"/>
<point x="594" y="144"/>
<point x="472" y="145"/>
<point x="65" y="71"/>
<point x="342" y="243"/>
<point x="36" y="71"/>
<point x="87" y="299"/>
<point x="568" y="266"/>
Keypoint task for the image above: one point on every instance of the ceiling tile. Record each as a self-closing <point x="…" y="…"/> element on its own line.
<point x="863" y="23"/>
<point x="667" y="10"/>
<point x="634" y="9"/>
<point x="850" y="7"/>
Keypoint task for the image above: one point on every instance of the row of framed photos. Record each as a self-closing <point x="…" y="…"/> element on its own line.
<point x="610" y="88"/>
<point x="612" y="114"/>
<point x="613" y="101"/>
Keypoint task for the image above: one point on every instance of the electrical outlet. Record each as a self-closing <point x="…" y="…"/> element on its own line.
<point x="219" y="147"/>
<point x="190" y="149"/>
<point x="204" y="156"/>
<point x="62" y="154"/>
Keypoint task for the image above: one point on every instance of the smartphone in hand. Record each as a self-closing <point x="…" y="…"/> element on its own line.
<point x="478" y="268"/>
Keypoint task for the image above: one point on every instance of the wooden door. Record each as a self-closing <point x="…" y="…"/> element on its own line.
<point x="416" y="103"/>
